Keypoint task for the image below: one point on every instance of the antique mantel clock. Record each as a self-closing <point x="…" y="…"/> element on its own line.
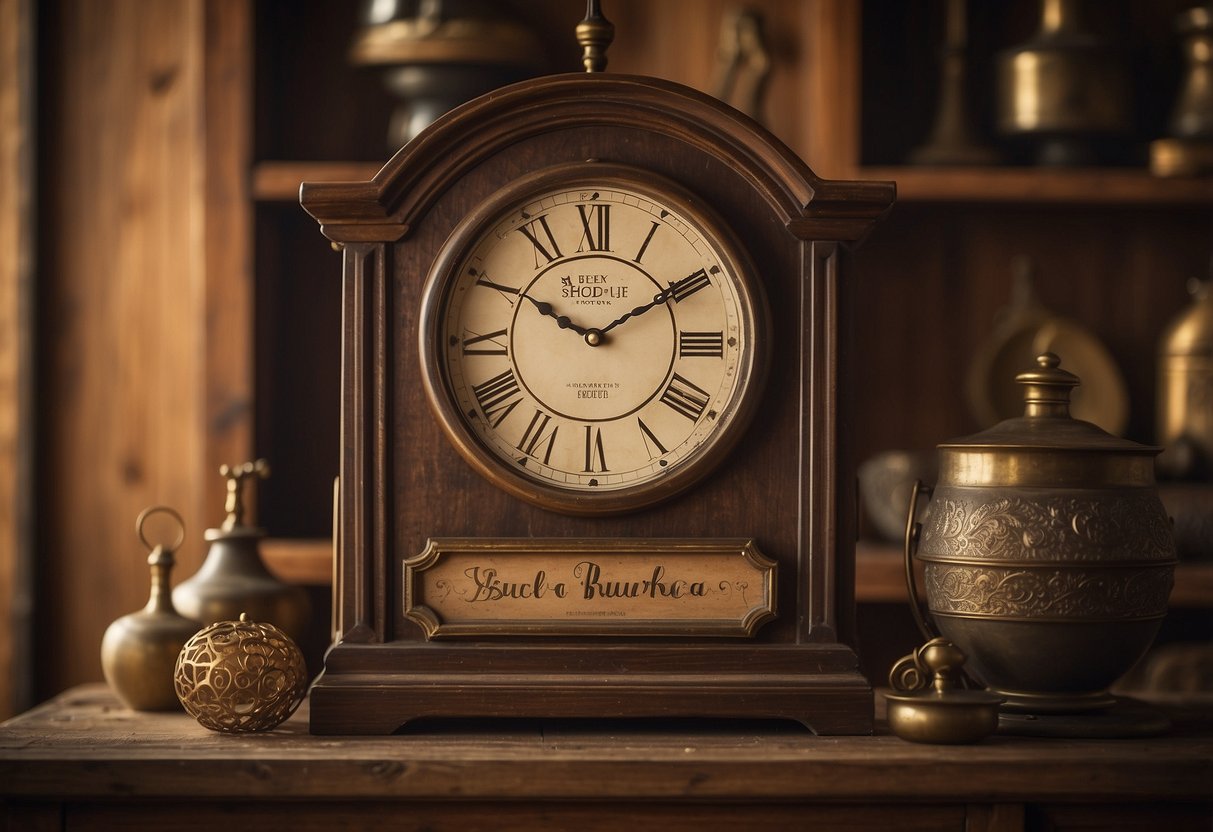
<point x="594" y="454"/>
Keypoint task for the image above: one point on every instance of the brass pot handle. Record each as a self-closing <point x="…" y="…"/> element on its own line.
<point x="148" y="512"/>
<point x="913" y="532"/>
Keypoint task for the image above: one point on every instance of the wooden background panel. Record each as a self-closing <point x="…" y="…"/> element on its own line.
<point x="932" y="280"/>
<point x="121" y="340"/>
<point x="229" y="307"/>
<point x="680" y="40"/>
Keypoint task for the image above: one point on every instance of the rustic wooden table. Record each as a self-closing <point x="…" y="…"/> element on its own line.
<point x="81" y="761"/>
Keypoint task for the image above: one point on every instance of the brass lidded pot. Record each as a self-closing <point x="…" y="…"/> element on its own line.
<point x="233" y="578"/>
<point x="1047" y="554"/>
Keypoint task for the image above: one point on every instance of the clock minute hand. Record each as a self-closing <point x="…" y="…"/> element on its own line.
<point x="562" y="321"/>
<point x="658" y="299"/>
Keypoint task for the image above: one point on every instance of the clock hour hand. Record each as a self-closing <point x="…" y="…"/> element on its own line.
<point x="562" y="321"/>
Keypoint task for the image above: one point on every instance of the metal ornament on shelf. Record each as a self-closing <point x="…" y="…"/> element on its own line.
<point x="240" y="676"/>
<point x="1065" y="91"/>
<point x="1185" y="389"/>
<point x="1024" y="329"/>
<point x="930" y="702"/>
<point x="437" y="54"/>
<point x="233" y="579"/>
<point x="743" y="63"/>
<point x="139" y="650"/>
<point x="953" y="140"/>
<point x="1188" y="150"/>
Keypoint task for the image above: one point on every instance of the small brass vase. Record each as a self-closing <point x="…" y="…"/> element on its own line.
<point x="1048" y="556"/>
<point x="233" y="578"/>
<point x="1188" y="149"/>
<point x="139" y="650"/>
<point x="1185" y="389"/>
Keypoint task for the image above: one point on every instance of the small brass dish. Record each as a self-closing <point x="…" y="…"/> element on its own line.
<point x="951" y="718"/>
<point x="930" y="706"/>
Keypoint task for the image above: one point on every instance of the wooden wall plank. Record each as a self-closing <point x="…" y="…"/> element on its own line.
<point x="229" y="299"/>
<point x="16" y="313"/>
<point x="121" y="339"/>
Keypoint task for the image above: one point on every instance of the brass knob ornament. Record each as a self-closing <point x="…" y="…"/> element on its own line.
<point x="139" y="650"/>
<point x="931" y="704"/>
<point x="240" y="676"/>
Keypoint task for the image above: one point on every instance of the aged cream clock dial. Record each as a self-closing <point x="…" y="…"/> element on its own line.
<point x="592" y="340"/>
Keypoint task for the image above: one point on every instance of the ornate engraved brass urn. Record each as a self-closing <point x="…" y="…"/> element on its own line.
<point x="1048" y="556"/>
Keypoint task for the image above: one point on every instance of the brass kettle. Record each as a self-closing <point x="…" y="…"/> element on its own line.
<point x="1048" y="556"/>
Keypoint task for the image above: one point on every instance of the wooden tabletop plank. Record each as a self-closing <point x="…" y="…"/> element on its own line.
<point x="84" y="744"/>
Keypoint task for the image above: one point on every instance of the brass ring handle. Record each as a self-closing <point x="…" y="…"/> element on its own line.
<point x="907" y="675"/>
<point x="148" y="512"/>
<point x="913" y="531"/>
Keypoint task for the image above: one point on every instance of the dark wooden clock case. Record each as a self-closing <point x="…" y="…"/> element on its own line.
<point x="787" y="484"/>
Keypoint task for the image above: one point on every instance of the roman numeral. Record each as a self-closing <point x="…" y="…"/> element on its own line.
<point x="645" y="245"/>
<point x="650" y="440"/>
<point x="534" y="439"/>
<point x="593" y="450"/>
<point x="486" y="344"/>
<point x="498" y="396"/>
<point x="700" y="344"/>
<point x="685" y="398"/>
<point x="535" y="229"/>
<point x="689" y="285"/>
<point x="508" y="292"/>
<point x="596" y="235"/>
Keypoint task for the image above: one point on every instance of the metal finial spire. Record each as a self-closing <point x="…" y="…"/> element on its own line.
<point x="595" y="34"/>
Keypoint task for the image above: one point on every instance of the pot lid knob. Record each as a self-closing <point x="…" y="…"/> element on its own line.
<point x="1046" y="389"/>
<point x="235" y="476"/>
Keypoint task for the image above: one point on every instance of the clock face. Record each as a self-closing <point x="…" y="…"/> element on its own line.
<point x="591" y="339"/>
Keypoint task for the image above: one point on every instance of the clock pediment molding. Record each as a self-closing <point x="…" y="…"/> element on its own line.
<point x="385" y="208"/>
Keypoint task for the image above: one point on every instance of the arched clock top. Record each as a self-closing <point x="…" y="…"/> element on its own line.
<point x="385" y="208"/>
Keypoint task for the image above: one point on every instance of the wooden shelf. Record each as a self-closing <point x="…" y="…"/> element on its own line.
<point x="296" y="561"/>
<point x="1099" y="186"/>
<point x="279" y="181"/>
<point x="879" y="574"/>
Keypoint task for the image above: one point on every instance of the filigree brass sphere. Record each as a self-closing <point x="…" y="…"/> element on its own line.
<point x="240" y="676"/>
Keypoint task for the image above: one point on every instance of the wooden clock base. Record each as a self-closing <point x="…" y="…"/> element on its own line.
<point x="833" y="699"/>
